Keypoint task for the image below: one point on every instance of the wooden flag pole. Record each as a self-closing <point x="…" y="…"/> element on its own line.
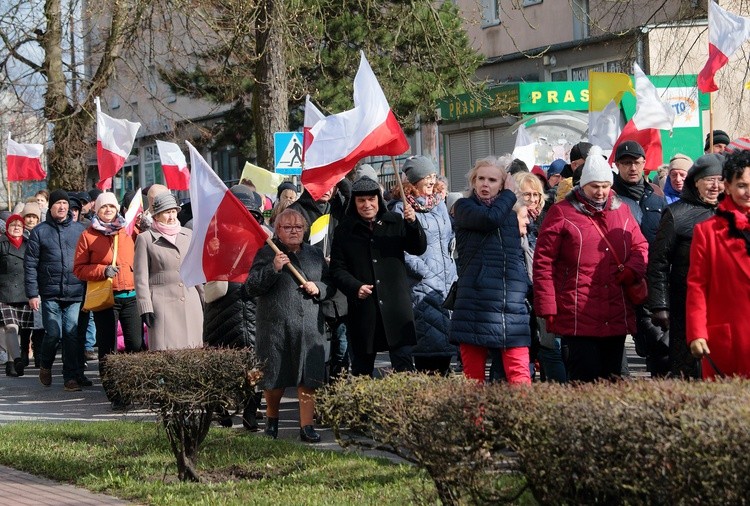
<point x="710" y="123"/>
<point x="10" y="200"/>
<point x="291" y="268"/>
<point x="398" y="179"/>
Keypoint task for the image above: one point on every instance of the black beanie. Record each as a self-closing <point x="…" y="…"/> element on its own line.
<point x="364" y="187"/>
<point x="720" y="137"/>
<point x="58" y="195"/>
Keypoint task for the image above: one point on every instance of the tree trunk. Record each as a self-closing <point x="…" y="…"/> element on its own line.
<point x="270" y="95"/>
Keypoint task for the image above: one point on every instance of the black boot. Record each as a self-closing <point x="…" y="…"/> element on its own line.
<point x="25" y="342"/>
<point x="249" y="418"/>
<point x="272" y="427"/>
<point x="308" y="434"/>
<point x="10" y="370"/>
<point x="18" y="365"/>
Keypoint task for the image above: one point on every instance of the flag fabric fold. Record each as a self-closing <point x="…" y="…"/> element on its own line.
<point x="340" y="140"/>
<point x="24" y="161"/>
<point x="312" y="116"/>
<point x="605" y="126"/>
<point x="726" y="33"/>
<point x="650" y="110"/>
<point x="265" y="181"/>
<point x="649" y="139"/>
<point x="525" y="148"/>
<point x="174" y="166"/>
<point x="135" y="209"/>
<point x="225" y="236"/>
<point x="114" y="140"/>
<point x="606" y="90"/>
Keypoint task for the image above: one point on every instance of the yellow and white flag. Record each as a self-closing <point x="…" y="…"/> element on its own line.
<point x="319" y="229"/>
<point x="265" y="181"/>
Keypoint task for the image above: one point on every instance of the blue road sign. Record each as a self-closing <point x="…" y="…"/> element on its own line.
<point x="287" y="151"/>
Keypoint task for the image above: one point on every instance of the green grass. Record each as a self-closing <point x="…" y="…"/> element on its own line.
<point x="132" y="461"/>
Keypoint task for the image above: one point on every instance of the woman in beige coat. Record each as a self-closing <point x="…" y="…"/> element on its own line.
<point x="172" y="311"/>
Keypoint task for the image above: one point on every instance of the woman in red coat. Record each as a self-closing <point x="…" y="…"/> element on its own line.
<point x="718" y="295"/>
<point x="578" y="288"/>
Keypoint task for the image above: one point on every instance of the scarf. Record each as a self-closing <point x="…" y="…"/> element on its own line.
<point x="15" y="241"/>
<point x="488" y="202"/>
<point x="168" y="231"/>
<point x="424" y="204"/>
<point x="739" y="225"/>
<point x="107" y="228"/>
<point x="592" y="205"/>
<point x="632" y="191"/>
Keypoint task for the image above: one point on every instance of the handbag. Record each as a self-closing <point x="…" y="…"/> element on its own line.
<point x="100" y="294"/>
<point x="637" y="293"/>
<point x="450" y="299"/>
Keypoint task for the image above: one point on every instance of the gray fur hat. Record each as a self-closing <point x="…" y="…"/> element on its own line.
<point x="365" y="186"/>
<point x="164" y="202"/>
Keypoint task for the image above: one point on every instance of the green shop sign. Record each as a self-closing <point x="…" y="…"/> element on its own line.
<point x="495" y="101"/>
<point x="553" y="96"/>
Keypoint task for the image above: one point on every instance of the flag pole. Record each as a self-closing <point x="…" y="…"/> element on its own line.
<point x="292" y="269"/>
<point x="398" y="179"/>
<point x="10" y="200"/>
<point x="710" y="122"/>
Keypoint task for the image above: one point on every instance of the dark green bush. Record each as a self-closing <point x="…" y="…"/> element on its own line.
<point x="649" y="442"/>
<point x="184" y="388"/>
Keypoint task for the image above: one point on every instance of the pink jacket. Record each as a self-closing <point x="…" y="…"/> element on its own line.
<point x="574" y="270"/>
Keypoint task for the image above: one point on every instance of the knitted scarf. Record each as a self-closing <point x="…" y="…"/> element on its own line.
<point x="739" y="225"/>
<point x="107" y="228"/>
<point x="488" y="202"/>
<point x="430" y="201"/>
<point x="591" y="204"/>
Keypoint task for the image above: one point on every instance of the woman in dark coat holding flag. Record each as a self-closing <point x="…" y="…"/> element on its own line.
<point x="290" y="328"/>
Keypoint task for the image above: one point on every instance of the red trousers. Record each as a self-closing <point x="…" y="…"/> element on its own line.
<point x="515" y="363"/>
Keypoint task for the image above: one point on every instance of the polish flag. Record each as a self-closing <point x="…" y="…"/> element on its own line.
<point x="340" y="140"/>
<point x="225" y="236"/>
<point x="135" y="209"/>
<point x="24" y="161"/>
<point x="726" y="33"/>
<point x="651" y="116"/>
<point x="174" y="166"/>
<point x="114" y="140"/>
<point x="312" y="116"/>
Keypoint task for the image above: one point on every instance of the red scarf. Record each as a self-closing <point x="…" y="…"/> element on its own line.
<point x="741" y="221"/>
<point x="15" y="241"/>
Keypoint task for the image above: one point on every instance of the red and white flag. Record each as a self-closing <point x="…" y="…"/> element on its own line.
<point x="225" y="236"/>
<point x="651" y="115"/>
<point x="726" y="33"/>
<point x="114" y="140"/>
<point x="135" y="209"/>
<point x="340" y="140"/>
<point x="174" y="166"/>
<point x="312" y="116"/>
<point x="24" y="161"/>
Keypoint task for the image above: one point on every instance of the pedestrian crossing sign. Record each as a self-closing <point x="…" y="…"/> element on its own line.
<point x="287" y="150"/>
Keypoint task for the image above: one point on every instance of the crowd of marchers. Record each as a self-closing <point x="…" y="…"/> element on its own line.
<point x="542" y="273"/>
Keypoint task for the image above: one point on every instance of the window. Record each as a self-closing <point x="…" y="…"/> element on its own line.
<point x="490" y="13"/>
<point x="580" y="19"/>
<point x="114" y="103"/>
<point x="152" y="172"/>
<point x="527" y="3"/>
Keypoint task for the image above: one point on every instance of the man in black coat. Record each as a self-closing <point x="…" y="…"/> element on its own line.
<point x="367" y="265"/>
<point x="646" y="201"/>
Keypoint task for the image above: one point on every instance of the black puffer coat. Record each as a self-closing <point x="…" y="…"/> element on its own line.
<point x="668" y="265"/>
<point x="229" y="321"/>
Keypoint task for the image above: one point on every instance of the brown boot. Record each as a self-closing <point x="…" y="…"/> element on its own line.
<point x="45" y="376"/>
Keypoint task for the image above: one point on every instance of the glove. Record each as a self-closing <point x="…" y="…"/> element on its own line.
<point x="699" y="347"/>
<point x="626" y="277"/>
<point x="661" y="319"/>
<point x="148" y="319"/>
<point x="111" y="271"/>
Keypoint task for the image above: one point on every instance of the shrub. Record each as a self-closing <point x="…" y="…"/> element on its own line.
<point x="649" y="442"/>
<point x="183" y="388"/>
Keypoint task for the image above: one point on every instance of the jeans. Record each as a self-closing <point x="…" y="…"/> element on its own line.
<point x="552" y="362"/>
<point x="61" y="322"/>
<point x="339" y="361"/>
<point x="90" y="343"/>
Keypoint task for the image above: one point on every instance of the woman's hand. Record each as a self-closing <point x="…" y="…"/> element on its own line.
<point x="510" y="183"/>
<point x="534" y="212"/>
<point x="699" y="347"/>
<point x="279" y="261"/>
<point x="310" y="288"/>
<point x="409" y="214"/>
<point x="364" y="291"/>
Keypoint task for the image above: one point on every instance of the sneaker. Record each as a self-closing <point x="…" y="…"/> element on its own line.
<point x="45" y="376"/>
<point x="18" y="366"/>
<point x="84" y="381"/>
<point x="72" y="386"/>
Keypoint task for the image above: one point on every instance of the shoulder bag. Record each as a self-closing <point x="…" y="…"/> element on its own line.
<point x="100" y="294"/>
<point x="637" y="293"/>
<point x="450" y="300"/>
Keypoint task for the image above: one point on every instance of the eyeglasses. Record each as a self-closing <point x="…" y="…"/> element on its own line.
<point x="633" y="163"/>
<point x="15" y="224"/>
<point x="531" y="195"/>
<point x="290" y="228"/>
<point x="713" y="180"/>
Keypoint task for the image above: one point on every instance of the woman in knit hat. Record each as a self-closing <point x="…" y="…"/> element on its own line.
<point x="718" y="294"/>
<point x="669" y="258"/>
<point x="579" y="286"/>
<point x="432" y="273"/>
<point x="97" y="246"/>
<point x="15" y="313"/>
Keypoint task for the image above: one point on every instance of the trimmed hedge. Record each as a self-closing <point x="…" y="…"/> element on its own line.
<point x="649" y="442"/>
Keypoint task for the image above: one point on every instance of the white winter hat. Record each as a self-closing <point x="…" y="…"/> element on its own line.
<point x="596" y="168"/>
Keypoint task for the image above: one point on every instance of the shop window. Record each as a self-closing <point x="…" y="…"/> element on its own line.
<point x="490" y="13"/>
